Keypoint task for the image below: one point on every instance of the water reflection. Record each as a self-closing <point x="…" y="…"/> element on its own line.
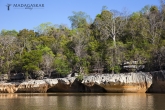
<point x="82" y="101"/>
<point x="8" y="96"/>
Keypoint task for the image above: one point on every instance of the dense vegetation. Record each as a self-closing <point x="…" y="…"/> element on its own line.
<point x="99" y="46"/>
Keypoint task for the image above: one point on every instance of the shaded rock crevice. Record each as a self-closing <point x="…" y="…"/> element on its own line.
<point x="158" y="85"/>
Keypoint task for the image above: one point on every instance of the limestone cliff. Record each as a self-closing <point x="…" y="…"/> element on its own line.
<point x="129" y="82"/>
<point x="8" y="88"/>
<point x="69" y="84"/>
<point x="41" y="86"/>
<point x="33" y="86"/>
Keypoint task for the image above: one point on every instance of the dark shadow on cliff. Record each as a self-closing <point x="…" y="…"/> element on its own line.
<point x="158" y="82"/>
<point x="76" y="86"/>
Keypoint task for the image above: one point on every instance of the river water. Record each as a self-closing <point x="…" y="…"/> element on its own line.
<point x="82" y="101"/>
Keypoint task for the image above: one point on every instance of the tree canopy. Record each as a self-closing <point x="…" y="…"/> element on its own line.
<point x="98" y="46"/>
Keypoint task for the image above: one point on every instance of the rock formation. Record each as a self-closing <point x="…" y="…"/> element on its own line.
<point x="129" y="82"/>
<point x="8" y="88"/>
<point x="33" y="86"/>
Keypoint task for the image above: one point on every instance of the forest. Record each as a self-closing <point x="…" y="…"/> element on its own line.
<point x="90" y="46"/>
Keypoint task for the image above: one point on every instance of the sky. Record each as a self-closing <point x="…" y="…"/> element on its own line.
<point x="57" y="11"/>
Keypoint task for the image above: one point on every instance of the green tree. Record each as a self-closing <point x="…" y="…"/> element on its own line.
<point x="25" y="38"/>
<point x="31" y="60"/>
<point x="8" y="32"/>
<point x="61" y="64"/>
<point x="45" y="28"/>
<point x="47" y="59"/>
<point x="8" y="50"/>
<point x="109" y="25"/>
<point x="79" y="19"/>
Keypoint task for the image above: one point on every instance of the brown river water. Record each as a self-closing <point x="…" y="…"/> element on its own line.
<point x="82" y="101"/>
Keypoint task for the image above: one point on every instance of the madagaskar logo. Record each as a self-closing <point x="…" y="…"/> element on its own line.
<point x="25" y="6"/>
<point x="8" y="6"/>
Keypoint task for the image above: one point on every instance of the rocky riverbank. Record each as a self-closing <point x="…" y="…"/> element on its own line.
<point x="128" y="82"/>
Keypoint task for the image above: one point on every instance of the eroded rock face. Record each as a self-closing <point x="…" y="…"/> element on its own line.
<point x="69" y="84"/>
<point x="158" y="85"/>
<point x="39" y="75"/>
<point x="42" y="86"/>
<point x="130" y="82"/>
<point x="51" y="82"/>
<point x="33" y="86"/>
<point x="8" y="88"/>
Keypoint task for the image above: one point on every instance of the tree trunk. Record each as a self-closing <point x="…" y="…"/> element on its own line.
<point x="114" y="41"/>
